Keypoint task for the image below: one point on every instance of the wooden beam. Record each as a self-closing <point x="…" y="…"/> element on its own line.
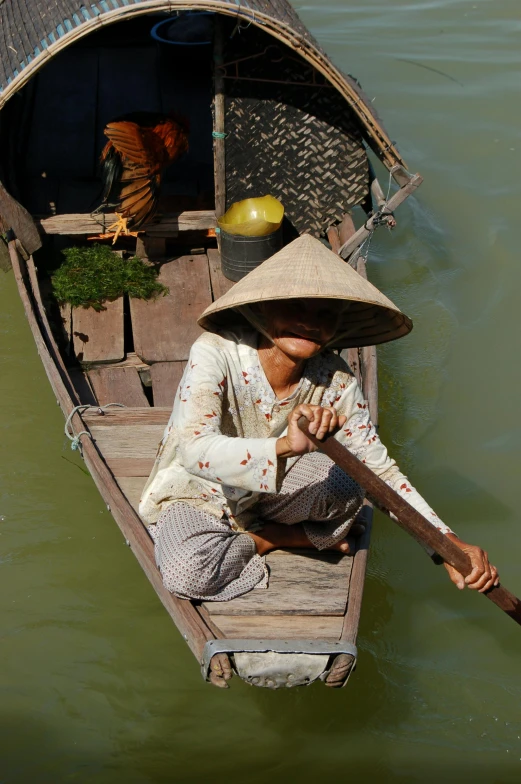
<point x="368" y="362"/>
<point x="334" y="239"/>
<point x="400" y="174"/>
<point x="219" y="153"/>
<point x="14" y="217"/>
<point x="346" y="229"/>
<point x="85" y="223"/>
<point x="127" y="416"/>
<point x="394" y="202"/>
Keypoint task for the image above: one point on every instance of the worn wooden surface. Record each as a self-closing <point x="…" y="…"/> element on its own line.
<point x="130" y="466"/>
<point x="280" y="627"/>
<point x="132" y="487"/>
<point x="85" y="223"/>
<point x="346" y="229"/>
<point x="152" y="248"/>
<point x="368" y="363"/>
<point x="301" y="583"/>
<point x="220" y="284"/>
<point x="14" y="216"/>
<point x="165" y="329"/>
<point x="129" y="416"/>
<point x="165" y="380"/>
<point x="219" y="121"/>
<point x="357" y="581"/>
<point x="352" y="357"/>
<point x="98" y="335"/>
<point x="129" y="441"/>
<point x="117" y="385"/>
<point x="334" y="239"/>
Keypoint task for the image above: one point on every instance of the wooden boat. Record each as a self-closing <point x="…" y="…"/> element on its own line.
<point x="269" y="113"/>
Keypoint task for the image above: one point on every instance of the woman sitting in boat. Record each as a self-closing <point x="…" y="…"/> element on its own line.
<point x="235" y="477"/>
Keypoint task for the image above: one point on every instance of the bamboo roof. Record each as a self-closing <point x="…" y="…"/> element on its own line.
<point x="32" y="31"/>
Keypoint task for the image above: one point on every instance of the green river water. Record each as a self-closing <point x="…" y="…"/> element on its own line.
<point x="96" y="684"/>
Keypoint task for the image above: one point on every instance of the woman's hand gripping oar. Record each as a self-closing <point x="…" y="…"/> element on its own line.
<point x="388" y="500"/>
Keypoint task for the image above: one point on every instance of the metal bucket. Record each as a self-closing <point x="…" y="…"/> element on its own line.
<point x="240" y="255"/>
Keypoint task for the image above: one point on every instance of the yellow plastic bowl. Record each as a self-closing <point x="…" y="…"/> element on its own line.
<point x="253" y="217"/>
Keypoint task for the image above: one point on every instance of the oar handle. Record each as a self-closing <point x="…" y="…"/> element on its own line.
<point x="407" y="517"/>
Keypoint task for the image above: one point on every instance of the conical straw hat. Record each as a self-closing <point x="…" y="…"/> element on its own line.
<point x="306" y="268"/>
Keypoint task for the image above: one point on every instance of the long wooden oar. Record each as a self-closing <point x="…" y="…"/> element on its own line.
<point x="388" y="500"/>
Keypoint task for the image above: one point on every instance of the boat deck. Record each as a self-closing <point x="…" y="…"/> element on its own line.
<point x="308" y="592"/>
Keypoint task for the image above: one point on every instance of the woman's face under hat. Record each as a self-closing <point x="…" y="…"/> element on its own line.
<point x="300" y="328"/>
<point x="306" y="269"/>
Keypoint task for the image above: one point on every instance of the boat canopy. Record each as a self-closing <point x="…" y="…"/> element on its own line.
<point x="34" y="31"/>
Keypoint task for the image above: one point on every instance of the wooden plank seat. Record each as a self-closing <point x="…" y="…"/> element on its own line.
<point x="128" y="438"/>
<point x="302" y="582"/>
<point x="281" y="627"/>
<point x="166" y="225"/>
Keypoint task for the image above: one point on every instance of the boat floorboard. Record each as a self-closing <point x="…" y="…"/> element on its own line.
<point x="117" y="384"/>
<point x="165" y="328"/>
<point x="302" y="583"/>
<point x="281" y="627"/>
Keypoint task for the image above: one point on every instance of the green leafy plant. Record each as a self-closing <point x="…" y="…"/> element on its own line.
<point x="89" y="276"/>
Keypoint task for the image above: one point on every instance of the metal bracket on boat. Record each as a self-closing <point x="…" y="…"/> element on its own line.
<point x="278" y="663"/>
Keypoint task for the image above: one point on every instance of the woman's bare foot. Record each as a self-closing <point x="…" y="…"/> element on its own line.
<point x="275" y="535"/>
<point x="339" y="671"/>
<point x="220" y="670"/>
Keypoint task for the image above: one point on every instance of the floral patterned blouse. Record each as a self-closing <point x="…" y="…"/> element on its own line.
<point x="218" y="449"/>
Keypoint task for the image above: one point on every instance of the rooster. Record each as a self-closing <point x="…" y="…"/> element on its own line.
<point x="140" y="146"/>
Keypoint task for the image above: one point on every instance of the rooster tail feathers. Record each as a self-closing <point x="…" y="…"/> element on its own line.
<point x="111" y="169"/>
<point x="140" y="146"/>
<point x="138" y="200"/>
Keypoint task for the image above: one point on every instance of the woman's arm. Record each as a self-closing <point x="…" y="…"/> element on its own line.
<point x="350" y="418"/>
<point x="246" y="463"/>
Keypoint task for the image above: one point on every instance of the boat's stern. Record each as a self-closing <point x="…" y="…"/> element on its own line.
<point x="276" y="664"/>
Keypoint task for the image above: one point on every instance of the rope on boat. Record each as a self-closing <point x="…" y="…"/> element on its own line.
<point x="379" y="219"/>
<point x="75" y="439"/>
<point x="219" y="135"/>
